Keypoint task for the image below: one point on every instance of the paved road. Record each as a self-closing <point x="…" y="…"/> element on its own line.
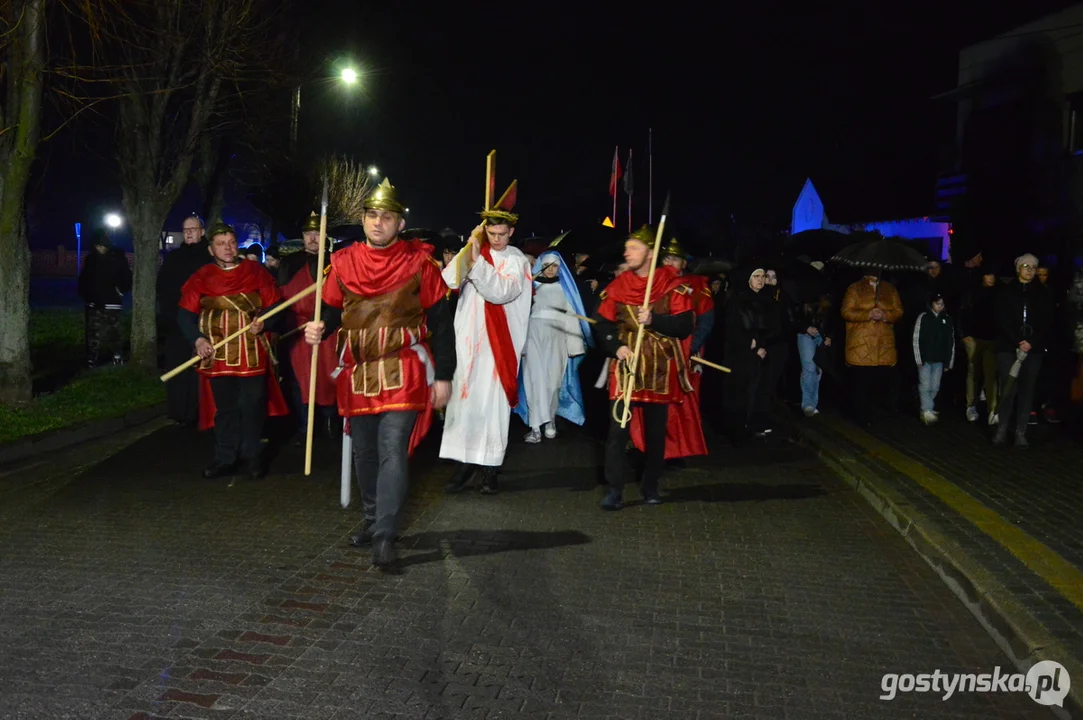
<point x="765" y="588"/>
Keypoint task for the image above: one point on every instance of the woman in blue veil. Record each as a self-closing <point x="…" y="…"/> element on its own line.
<point x="555" y="345"/>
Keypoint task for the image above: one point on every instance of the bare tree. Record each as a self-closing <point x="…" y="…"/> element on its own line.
<point x="22" y="43"/>
<point x="183" y="68"/>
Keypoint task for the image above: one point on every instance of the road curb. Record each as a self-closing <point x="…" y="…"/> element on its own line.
<point x="1008" y="621"/>
<point x="54" y="440"/>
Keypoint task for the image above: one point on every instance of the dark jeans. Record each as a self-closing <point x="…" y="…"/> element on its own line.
<point x="103" y="343"/>
<point x="240" y="409"/>
<point x="182" y="391"/>
<point x="1019" y="402"/>
<point x="655" y="416"/>
<point x="381" y="445"/>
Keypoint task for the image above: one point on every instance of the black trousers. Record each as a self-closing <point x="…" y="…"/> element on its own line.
<point x="381" y="455"/>
<point x="874" y="388"/>
<point x="655" y="416"/>
<point x="182" y="391"/>
<point x="241" y="408"/>
<point x="1020" y="401"/>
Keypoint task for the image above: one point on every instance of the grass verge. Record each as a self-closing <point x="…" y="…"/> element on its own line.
<point x="100" y="394"/>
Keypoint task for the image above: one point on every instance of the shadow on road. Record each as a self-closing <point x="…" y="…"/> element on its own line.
<point x="469" y="543"/>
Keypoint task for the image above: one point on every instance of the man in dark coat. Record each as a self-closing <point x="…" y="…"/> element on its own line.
<point x="105" y="278"/>
<point x="182" y="392"/>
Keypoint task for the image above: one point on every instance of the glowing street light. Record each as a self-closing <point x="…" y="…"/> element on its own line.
<point x="373" y="171"/>
<point x="407" y="209"/>
<point x="349" y="76"/>
<point x="113" y="220"/>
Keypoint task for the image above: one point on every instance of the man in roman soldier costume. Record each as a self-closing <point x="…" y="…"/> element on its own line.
<point x="237" y="391"/>
<point x="684" y="436"/>
<point x="661" y="375"/>
<point x="396" y="353"/>
<point x="300" y="352"/>
<point x="490" y="330"/>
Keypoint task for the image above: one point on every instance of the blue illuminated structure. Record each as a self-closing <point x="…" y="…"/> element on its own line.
<point x="809" y="214"/>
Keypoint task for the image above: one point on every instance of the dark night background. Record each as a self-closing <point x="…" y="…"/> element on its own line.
<point x="744" y="104"/>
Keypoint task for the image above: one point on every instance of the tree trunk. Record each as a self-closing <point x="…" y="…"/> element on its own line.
<point x="26" y="63"/>
<point x="147" y="217"/>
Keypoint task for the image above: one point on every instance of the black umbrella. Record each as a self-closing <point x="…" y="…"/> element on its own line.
<point x="817" y="244"/>
<point x="881" y="254"/>
<point x="710" y="267"/>
<point x="423" y="234"/>
<point x="603" y="244"/>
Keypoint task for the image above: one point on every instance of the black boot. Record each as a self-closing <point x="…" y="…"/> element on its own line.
<point x="255" y="469"/>
<point x="488" y="481"/>
<point x="461" y="478"/>
<point x="364" y="537"/>
<point x="383" y="551"/>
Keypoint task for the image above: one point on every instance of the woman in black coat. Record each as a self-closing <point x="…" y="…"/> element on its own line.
<point x="752" y="327"/>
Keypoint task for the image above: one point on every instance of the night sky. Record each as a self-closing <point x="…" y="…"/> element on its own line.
<point x="744" y="104"/>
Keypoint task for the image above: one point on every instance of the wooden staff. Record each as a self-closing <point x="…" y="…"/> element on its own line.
<point x="269" y="314"/>
<point x="708" y="363"/>
<point x="626" y="413"/>
<point x="312" y="374"/>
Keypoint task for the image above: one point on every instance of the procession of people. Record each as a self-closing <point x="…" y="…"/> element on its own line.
<point x="407" y="331"/>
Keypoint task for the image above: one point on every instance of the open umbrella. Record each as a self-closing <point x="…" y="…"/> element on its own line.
<point x="423" y="234"/>
<point x="881" y="254"/>
<point x="710" y="267"/>
<point x="817" y="244"/>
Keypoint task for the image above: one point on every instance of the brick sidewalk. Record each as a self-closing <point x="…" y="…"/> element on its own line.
<point x="765" y="588"/>
<point x="1005" y="522"/>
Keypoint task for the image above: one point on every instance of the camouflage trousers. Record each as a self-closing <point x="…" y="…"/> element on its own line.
<point x="103" y="342"/>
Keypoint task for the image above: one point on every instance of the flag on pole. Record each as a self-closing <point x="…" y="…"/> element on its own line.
<point x="628" y="175"/>
<point x="614" y="176"/>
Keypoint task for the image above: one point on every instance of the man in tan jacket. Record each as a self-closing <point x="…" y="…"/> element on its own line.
<point x="870" y="308"/>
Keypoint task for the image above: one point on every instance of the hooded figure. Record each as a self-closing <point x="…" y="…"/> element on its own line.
<point x="752" y="326"/>
<point x="555" y="344"/>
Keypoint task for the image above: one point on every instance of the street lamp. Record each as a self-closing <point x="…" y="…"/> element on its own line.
<point x="113" y="221"/>
<point x="373" y="171"/>
<point x="407" y="209"/>
<point x="349" y="76"/>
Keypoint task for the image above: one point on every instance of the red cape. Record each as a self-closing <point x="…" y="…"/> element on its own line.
<point x="369" y="272"/>
<point x="300" y="352"/>
<point x="629" y="289"/>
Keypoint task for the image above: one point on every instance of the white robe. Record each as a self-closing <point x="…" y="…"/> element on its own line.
<point x="476" y="422"/>
<point x="555" y="334"/>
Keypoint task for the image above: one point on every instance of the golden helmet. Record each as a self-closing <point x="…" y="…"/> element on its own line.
<point x="674" y="248"/>
<point x="384" y="197"/>
<point x="312" y="224"/>
<point x="644" y="235"/>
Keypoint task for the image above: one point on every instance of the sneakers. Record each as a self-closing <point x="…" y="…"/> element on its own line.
<point x="811" y="412"/>
<point x="971" y="414"/>
<point x="533" y="437"/>
<point x="929" y="417"/>
<point x="1033" y="419"/>
<point x="550" y="430"/>
<point x="994" y="419"/>
<point x="1050" y="415"/>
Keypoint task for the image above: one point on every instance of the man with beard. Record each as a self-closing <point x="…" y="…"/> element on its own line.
<point x="300" y="352"/>
<point x="182" y="391"/>
<point x="389" y="303"/>
<point x="237" y="392"/>
<point x="661" y="374"/>
<point x="490" y="330"/>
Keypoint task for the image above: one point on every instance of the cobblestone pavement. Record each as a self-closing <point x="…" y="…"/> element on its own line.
<point x="764" y="588"/>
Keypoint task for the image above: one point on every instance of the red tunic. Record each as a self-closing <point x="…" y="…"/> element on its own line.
<point x="384" y="295"/>
<point x="661" y="371"/>
<point x="300" y="352"/>
<point x="684" y="431"/>
<point x="225" y="301"/>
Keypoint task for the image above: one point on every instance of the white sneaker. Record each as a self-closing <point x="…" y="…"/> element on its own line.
<point x="550" y="430"/>
<point x="928" y="417"/>
<point x="994" y="419"/>
<point x="971" y="414"/>
<point x="982" y="396"/>
<point x="534" y="436"/>
<point x="811" y="412"/>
